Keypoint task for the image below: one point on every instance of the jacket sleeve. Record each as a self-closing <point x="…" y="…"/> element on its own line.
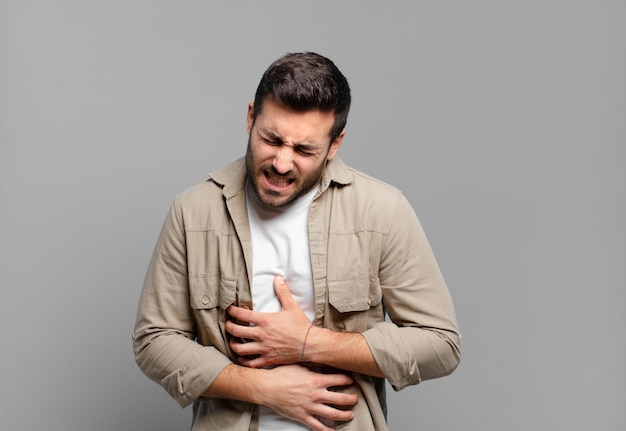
<point x="164" y="338"/>
<point x="422" y="340"/>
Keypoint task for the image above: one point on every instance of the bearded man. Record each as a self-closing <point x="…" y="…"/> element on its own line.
<point x="288" y="287"/>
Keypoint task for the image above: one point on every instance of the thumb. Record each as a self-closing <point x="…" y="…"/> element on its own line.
<point x="283" y="293"/>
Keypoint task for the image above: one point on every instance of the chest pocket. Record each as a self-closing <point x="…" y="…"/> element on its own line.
<point x="211" y="291"/>
<point x="209" y="296"/>
<point x="355" y="303"/>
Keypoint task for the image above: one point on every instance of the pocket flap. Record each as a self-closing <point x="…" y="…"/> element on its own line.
<point x="211" y="290"/>
<point x="354" y="294"/>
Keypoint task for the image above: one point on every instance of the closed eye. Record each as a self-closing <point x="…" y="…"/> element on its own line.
<point x="306" y="151"/>
<point x="302" y="149"/>
<point x="270" y="141"/>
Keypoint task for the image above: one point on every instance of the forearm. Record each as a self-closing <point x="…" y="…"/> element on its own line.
<point x="406" y="355"/>
<point x="342" y="350"/>
<point x="239" y="383"/>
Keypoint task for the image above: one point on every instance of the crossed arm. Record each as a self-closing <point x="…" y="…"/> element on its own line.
<point x="420" y="342"/>
<point x="278" y="340"/>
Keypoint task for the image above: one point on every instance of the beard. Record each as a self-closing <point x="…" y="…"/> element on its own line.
<point x="272" y="198"/>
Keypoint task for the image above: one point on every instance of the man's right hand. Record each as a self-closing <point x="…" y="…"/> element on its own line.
<point x="292" y="391"/>
<point x="303" y="395"/>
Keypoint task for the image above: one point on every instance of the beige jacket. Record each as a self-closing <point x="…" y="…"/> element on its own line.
<point x="369" y="258"/>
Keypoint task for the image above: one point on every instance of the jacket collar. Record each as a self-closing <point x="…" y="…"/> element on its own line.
<point x="232" y="177"/>
<point x="336" y="172"/>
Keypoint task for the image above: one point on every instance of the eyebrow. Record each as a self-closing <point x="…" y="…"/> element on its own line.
<point x="269" y="134"/>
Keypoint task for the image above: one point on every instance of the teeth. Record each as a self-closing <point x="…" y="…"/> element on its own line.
<point x="278" y="180"/>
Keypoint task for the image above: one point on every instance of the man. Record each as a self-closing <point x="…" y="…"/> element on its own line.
<point x="264" y="304"/>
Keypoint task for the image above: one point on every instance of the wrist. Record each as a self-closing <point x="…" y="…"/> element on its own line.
<point x="257" y="385"/>
<point x="306" y="336"/>
<point x="312" y="349"/>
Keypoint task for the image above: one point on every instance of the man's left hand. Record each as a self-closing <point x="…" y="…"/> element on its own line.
<point x="275" y="338"/>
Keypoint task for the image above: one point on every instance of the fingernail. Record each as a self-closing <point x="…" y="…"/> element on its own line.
<point x="280" y="279"/>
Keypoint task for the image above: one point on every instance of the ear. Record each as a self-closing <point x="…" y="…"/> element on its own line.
<point x="250" y="117"/>
<point x="334" y="146"/>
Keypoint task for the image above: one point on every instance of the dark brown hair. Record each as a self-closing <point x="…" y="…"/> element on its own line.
<point x="306" y="81"/>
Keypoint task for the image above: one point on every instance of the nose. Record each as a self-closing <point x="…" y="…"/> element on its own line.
<point x="283" y="160"/>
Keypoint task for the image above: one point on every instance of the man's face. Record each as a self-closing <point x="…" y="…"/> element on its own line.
<point x="287" y="151"/>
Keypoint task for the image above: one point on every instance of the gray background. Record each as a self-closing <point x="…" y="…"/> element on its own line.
<point x="503" y="122"/>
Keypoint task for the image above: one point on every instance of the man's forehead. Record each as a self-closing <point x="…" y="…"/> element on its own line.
<point x="277" y="105"/>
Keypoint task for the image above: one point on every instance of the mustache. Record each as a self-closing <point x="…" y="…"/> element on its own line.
<point x="272" y="170"/>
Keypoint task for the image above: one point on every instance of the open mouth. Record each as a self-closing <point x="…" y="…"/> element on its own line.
<point x="278" y="180"/>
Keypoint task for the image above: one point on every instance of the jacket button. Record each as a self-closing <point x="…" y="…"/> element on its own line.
<point x="205" y="300"/>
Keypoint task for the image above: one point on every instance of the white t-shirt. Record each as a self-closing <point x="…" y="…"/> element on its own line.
<point x="280" y="246"/>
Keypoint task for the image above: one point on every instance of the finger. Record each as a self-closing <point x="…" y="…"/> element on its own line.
<point x="241" y="331"/>
<point x="334" y="414"/>
<point x="241" y="314"/>
<point x="340" y="399"/>
<point x="248" y="354"/>
<point x="283" y="293"/>
<point x="245" y="347"/>
<point x="252" y="361"/>
<point x="337" y="380"/>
